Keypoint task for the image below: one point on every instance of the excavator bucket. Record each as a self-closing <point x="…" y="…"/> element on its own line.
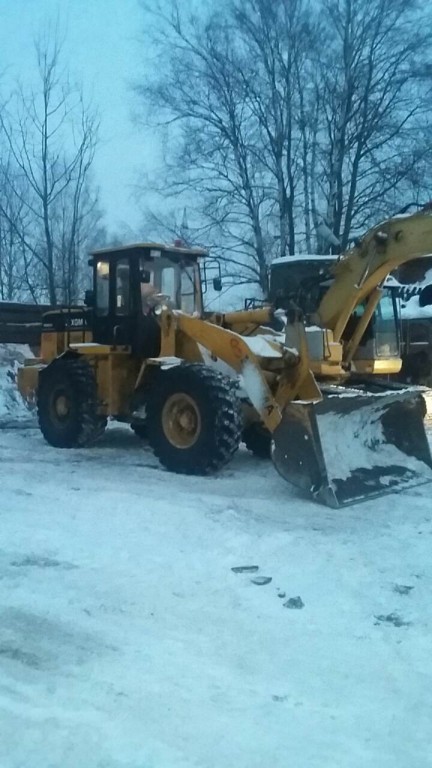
<point x="354" y="444"/>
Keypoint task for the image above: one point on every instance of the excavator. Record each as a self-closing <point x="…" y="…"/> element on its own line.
<point x="144" y="351"/>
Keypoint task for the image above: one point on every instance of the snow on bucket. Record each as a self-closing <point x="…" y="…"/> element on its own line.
<point x="354" y="445"/>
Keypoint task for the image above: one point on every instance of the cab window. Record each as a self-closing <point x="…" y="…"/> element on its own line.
<point x="122" y="287"/>
<point x="168" y="283"/>
<point x="147" y="284"/>
<point x="188" y="290"/>
<point x="102" y="288"/>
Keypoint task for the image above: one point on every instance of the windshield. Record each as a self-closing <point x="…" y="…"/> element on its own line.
<point x="385" y="325"/>
<point x="177" y="281"/>
<point x="386" y="309"/>
<point x="381" y="338"/>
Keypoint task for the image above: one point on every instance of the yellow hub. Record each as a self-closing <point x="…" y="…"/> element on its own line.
<point x="181" y="420"/>
<point x="61" y="406"/>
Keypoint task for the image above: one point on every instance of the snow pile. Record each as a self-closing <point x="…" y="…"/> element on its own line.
<point x="253" y="385"/>
<point x="427" y="394"/>
<point x="409" y="294"/>
<point x="263" y="345"/>
<point x="12" y="406"/>
<point x="413" y="311"/>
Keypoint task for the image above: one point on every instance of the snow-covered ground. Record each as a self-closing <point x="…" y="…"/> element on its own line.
<point x="127" y="640"/>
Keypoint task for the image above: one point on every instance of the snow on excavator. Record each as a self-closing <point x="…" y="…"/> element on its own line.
<point x="145" y="352"/>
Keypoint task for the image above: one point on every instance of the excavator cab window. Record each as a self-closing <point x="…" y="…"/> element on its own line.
<point x="386" y="326"/>
<point x="381" y="338"/>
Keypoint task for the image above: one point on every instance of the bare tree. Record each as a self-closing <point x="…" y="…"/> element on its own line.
<point x="371" y="109"/>
<point x="212" y="154"/>
<point x="51" y="136"/>
<point x="276" y="40"/>
<point x="273" y="133"/>
<point x="11" y="273"/>
<point x="17" y="265"/>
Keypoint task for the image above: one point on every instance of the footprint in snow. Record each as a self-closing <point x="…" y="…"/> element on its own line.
<point x="402" y="589"/>
<point x="261" y="581"/>
<point x="39" y="561"/>
<point x="392" y="618"/>
<point x="295" y="603"/>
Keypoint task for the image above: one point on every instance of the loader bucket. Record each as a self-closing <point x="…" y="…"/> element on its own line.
<point x="354" y="445"/>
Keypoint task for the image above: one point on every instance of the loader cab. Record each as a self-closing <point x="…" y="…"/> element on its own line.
<point x="131" y="282"/>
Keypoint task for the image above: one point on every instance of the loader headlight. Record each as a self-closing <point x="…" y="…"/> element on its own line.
<point x="102" y="269"/>
<point x="160" y="302"/>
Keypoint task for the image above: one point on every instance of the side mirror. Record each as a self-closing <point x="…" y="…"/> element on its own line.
<point x="89" y="298"/>
<point x="217" y="284"/>
<point x="425" y="298"/>
<point x="145" y="276"/>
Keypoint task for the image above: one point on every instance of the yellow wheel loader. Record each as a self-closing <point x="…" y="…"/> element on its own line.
<point x="144" y="352"/>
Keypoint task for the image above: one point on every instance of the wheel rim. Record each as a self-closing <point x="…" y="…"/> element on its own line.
<point x="60" y="406"/>
<point x="181" y="420"/>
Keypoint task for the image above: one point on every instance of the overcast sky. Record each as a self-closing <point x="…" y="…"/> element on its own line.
<point x="102" y="51"/>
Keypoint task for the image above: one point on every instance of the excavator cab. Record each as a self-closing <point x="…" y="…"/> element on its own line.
<point x="304" y="280"/>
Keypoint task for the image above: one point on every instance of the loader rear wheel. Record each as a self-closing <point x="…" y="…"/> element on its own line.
<point x="67" y="404"/>
<point x="258" y="440"/>
<point x="193" y="419"/>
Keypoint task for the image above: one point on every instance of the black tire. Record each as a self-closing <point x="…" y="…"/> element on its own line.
<point x="211" y="401"/>
<point x="140" y="430"/>
<point x="257" y="439"/>
<point x="69" y="381"/>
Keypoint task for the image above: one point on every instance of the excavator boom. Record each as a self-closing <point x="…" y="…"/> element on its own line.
<point x="362" y="269"/>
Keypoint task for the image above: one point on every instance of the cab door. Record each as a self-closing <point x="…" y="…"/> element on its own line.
<point x="115" y="311"/>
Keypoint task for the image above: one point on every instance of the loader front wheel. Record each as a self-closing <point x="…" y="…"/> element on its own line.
<point x="193" y="419"/>
<point x="67" y="404"/>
